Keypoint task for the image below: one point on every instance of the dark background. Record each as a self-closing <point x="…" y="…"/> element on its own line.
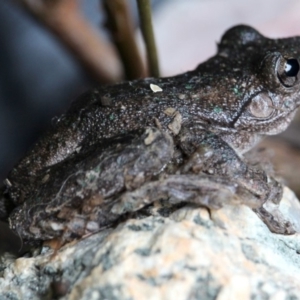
<point x="38" y="79"/>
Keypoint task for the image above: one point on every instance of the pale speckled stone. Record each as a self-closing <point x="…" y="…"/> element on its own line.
<point x="192" y="254"/>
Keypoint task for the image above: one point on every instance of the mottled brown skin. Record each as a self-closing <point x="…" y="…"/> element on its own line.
<point x="121" y="147"/>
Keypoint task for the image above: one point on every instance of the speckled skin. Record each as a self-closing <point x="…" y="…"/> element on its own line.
<point x="199" y="126"/>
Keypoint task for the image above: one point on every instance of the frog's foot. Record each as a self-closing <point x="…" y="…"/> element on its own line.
<point x="200" y="189"/>
<point x="275" y="223"/>
<point x="267" y="206"/>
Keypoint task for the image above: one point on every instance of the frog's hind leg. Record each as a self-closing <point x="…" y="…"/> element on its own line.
<point x="78" y="193"/>
<point x="200" y="189"/>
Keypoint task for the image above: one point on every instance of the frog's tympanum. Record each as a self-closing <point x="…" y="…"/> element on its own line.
<point x="180" y="139"/>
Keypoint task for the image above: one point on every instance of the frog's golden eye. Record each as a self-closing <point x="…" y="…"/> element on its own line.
<point x="261" y="106"/>
<point x="288" y="70"/>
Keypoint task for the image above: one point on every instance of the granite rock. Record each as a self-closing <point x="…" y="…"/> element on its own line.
<point x="188" y="253"/>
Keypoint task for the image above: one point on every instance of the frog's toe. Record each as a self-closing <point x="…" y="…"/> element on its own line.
<point x="276" y="224"/>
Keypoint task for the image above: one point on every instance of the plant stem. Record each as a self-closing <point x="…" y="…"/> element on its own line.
<point x="119" y="23"/>
<point x="148" y="35"/>
<point x="65" y="20"/>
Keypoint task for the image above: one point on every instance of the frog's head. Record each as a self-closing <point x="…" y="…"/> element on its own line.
<point x="263" y="79"/>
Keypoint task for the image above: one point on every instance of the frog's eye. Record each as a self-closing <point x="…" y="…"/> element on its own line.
<point x="261" y="106"/>
<point x="291" y="67"/>
<point x="288" y="70"/>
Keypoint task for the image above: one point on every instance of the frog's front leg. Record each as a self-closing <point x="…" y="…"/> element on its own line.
<point x="211" y="175"/>
<point x="209" y="154"/>
<point x="213" y="156"/>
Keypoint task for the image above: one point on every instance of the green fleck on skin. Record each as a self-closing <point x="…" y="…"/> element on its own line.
<point x="217" y="109"/>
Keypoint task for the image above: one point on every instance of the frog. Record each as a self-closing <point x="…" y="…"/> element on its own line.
<point x="182" y="139"/>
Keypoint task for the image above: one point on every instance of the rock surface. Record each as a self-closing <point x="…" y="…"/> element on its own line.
<point x="189" y="254"/>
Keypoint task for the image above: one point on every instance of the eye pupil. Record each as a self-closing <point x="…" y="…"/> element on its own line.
<point x="291" y="67"/>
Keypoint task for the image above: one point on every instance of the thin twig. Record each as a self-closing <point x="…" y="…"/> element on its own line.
<point x="64" y="18"/>
<point x="120" y="25"/>
<point x="147" y="31"/>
